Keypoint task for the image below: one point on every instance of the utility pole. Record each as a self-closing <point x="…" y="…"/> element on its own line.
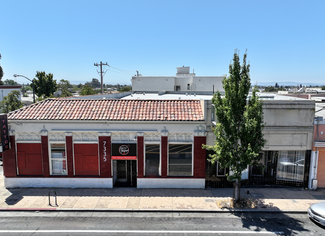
<point x="101" y="73"/>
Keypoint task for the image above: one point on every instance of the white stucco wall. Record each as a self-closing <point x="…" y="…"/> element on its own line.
<point x="183" y="81"/>
<point x="170" y="183"/>
<point x="146" y="83"/>
<point x="183" y="78"/>
<point x="130" y="127"/>
<point x="197" y="83"/>
<point x="58" y="182"/>
<point x="205" y="83"/>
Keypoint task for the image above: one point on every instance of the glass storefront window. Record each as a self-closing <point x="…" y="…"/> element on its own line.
<point x="180" y="160"/>
<point x="152" y="160"/>
<point x="58" y="159"/>
<point x="291" y="165"/>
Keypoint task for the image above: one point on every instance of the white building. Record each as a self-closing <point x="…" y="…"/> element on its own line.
<point x="6" y="89"/>
<point x="184" y="81"/>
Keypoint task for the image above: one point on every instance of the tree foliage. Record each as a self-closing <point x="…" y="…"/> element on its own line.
<point x="44" y="84"/>
<point x="273" y="89"/>
<point x="11" y="102"/>
<point x="86" y="90"/>
<point x="1" y="75"/>
<point x="10" y="82"/>
<point x="125" y="88"/>
<point x="238" y="131"/>
<point x="94" y="83"/>
<point x="64" y="86"/>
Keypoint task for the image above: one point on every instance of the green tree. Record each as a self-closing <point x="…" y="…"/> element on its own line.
<point x="1" y="75"/>
<point x="10" y="82"/>
<point x="94" y="83"/>
<point x="125" y="89"/>
<point x="64" y="86"/>
<point x="323" y="88"/>
<point x="86" y="90"/>
<point x="11" y="102"/>
<point x="238" y="131"/>
<point x="44" y="84"/>
<point x="270" y="89"/>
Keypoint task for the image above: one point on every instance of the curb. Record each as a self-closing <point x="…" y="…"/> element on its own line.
<point x="233" y="211"/>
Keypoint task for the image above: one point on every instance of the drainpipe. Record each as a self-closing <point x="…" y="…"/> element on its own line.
<point x="313" y="170"/>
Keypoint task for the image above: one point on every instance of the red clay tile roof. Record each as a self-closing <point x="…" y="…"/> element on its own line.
<point x="112" y="110"/>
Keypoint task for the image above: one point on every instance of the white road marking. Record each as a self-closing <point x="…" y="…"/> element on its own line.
<point x="143" y="231"/>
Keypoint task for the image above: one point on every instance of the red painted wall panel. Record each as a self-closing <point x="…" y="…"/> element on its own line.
<point x="29" y="158"/>
<point x="68" y="144"/>
<point x="45" y="156"/>
<point x="105" y="156"/>
<point x="140" y="156"/>
<point x="86" y="159"/>
<point x="199" y="157"/>
<point x="9" y="160"/>
<point x="164" y="152"/>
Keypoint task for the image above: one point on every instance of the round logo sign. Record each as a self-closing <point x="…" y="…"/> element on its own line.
<point x="124" y="150"/>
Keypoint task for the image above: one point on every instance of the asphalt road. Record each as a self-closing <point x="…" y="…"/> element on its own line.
<point x="119" y="223"/>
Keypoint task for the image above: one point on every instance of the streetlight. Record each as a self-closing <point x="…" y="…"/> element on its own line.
<point x="15" y="75"/>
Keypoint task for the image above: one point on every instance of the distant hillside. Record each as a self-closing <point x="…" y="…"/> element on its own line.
<point x="287" y="84"/>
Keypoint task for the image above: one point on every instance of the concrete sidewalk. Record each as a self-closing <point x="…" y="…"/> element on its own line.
<point x="132" y="199"/>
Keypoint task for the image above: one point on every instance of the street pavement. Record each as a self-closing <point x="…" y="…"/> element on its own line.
<point x="289" y="200"/>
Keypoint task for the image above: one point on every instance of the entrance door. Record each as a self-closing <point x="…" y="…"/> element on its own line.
<point x="266" y="175"/>
<point x="125" y="173"/>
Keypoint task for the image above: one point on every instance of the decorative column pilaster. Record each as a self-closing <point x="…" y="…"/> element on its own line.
<point x="69" y="151"/>
<point x="164" y="152"/>
<point x="140" y="154"/>
<point x="104" y="144"/>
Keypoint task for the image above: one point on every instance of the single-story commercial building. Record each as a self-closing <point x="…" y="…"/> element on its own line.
<point x="147" y="141"/>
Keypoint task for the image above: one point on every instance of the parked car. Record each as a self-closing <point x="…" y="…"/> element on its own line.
<point x="317" y="212"/>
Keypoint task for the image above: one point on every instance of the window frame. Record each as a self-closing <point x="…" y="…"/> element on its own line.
<point x="144" y="162"/>
<point x="213" y="114"/>
<point x="65" y="158"/>
<point x="284" y="175"/>
<point x="192" y="162"/>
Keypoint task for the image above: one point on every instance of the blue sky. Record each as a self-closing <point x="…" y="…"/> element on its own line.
<point x="285" y="39"/>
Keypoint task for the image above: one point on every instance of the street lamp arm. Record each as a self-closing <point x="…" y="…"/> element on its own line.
<point x="15" y="75"/>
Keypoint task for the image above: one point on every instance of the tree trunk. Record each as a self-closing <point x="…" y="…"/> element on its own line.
<point x="236" y="193"/>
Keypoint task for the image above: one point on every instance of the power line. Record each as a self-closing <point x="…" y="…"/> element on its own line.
<point x="121" y="72"/>
<point x="121" y="69"/>
<point x="101" y="64"/>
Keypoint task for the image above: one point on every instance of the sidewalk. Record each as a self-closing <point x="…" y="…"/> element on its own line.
<point x="132" y="199"/>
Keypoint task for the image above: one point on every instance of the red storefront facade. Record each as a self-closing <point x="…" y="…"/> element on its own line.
<point x="106" y="153"/>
